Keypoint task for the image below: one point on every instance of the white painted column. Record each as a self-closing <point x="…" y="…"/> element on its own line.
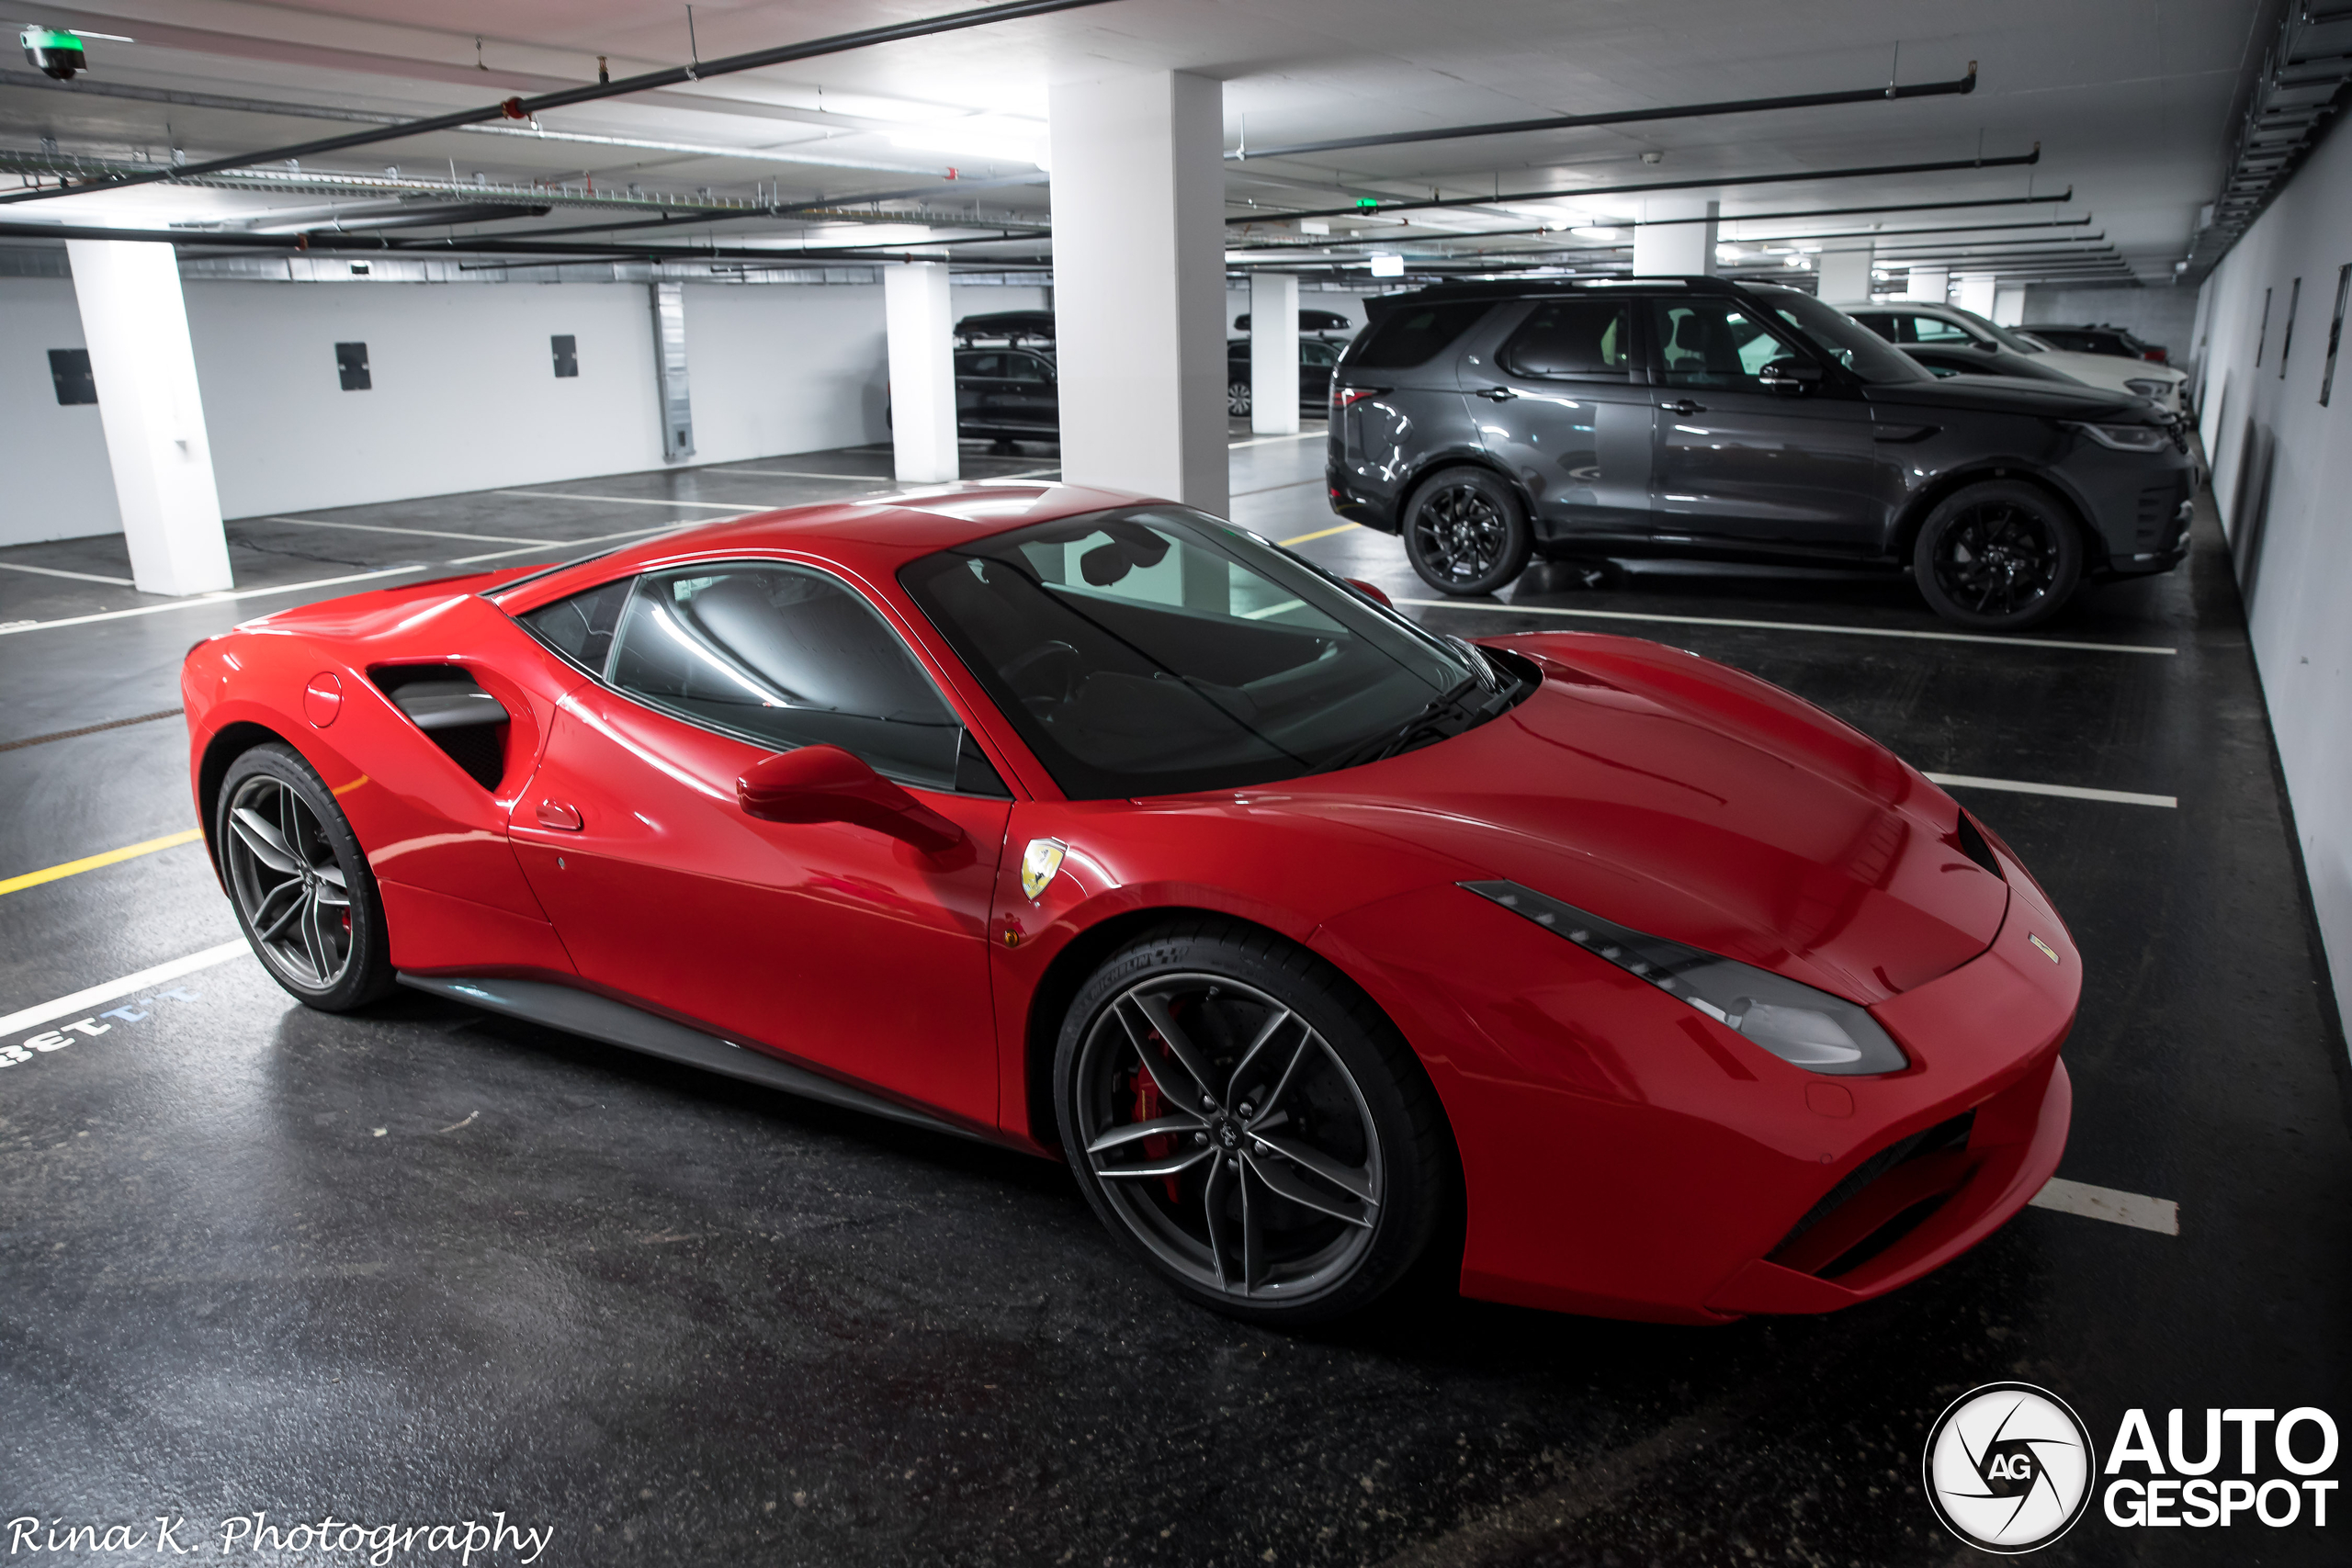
<point x="1931" y="283"/>
<point x="1844" y="275"/>
<point x="1273" y="354"/>
<point x="1975" y="293"/>
<point x="1140" y="284"/>
<point x="920" y="320"/>
<point x="135" y="321"/>
<point x="2009" y="304"/>
<point x="1676" y="249"/>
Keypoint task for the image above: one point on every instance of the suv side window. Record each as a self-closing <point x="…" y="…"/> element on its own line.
<point x="1026" y="367"/>
<point x="1574" y="337"/>
<point x="989" y="366"/>
<point x="1709" y="341"/>
<point x="1414" y="334"/>
<point x="1935" y="329"/>
<point x="783" y="655"/>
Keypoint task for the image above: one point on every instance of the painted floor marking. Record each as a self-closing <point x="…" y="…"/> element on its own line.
<point x="76" y="576"/>
<point x="92" y="862"/>
<point x="1295" y="484"/>
<point x="2064" y="792"/>
<point x="1270" y="440"/>
<point x="2159" y="1214"/>
<point x="1790" y="626"/>
<point x="633" y="500"/>
<point x="146" y="979"/>
<point x="558" y="545"/>
<point x="1325" y="534"/>
<point x="799" y="474"/>
<point x="196" y="601"/>
<point x="388" y="528"/>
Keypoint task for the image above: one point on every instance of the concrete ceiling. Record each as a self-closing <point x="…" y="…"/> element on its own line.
<point x="2130" y="101"/>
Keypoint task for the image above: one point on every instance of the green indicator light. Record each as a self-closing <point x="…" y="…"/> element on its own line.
<point x="1367" y="204"/>
<point x="56" y="54"/>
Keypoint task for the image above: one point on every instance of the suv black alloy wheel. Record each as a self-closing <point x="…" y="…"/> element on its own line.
<point x="1466" y="533"/>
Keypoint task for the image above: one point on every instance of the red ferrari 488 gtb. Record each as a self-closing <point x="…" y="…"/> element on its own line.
<point x="1092" y="825"/>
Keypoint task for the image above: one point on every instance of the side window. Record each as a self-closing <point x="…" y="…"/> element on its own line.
<point x="1025" y="367"/>
<point x="581" y="627"/>
<point x="783" y="657"/>
<point x="1934" y="329"/>
<point x="1573" y="337"/>
<point x="1315" y="351"/>
<point x="1880" y="322"/>
<point x="1413" y="334"/>
<point x="989" y="365"/>
<point x="1712" y="343"/>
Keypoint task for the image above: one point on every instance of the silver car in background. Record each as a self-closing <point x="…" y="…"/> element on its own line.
<point x="1905" y="322"/>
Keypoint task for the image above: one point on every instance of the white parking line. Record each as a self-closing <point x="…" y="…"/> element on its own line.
<point x="1270" y="440"/>
<point x="884" y="480"/>
<point x="1789" y="627"/>
<point x="631" y="500"/>
<point x="560" y="545"/>
<point x="146" y="979"/>
<point x="2064" y="792"/>
<point x="76" y="576"/>
<point x="388" y="528"/>
<point x="2159" y="1214"/>
<point x="1269" y="489"/>
<point x="202" y="599"/>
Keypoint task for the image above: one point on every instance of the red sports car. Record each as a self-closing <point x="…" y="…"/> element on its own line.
<point x="1097" y="827"/>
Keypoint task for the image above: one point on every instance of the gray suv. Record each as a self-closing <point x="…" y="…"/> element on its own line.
<point x="1696" y="417"/>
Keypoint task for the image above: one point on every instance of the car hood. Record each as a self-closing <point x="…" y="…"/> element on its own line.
<point x="2006" y="394"/>
<point x="1692" y="802"/>
<point x="2106" y="369"/>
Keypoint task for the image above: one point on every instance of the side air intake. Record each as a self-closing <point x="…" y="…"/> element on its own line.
<point x="454" y="712"/>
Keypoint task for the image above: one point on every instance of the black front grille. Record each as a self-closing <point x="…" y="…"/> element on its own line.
<point x="1943" y="1135"/>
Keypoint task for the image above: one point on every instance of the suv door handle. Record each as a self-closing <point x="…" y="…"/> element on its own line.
<point x="1498" y="394"/>
<point x="1683" y="406"/>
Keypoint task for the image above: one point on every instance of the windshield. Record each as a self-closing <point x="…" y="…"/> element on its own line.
<point x="1155" y="650"/>
<point x="1843" y="339"/>
<point x="2016" y="342"/>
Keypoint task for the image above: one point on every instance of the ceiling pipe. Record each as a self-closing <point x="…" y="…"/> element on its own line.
<point x="521" y="108"/>
<point x="789" y="209"/>
<point x="2065" y="195"/>
<point x="1503" y="198"/>
<point x="1958" y="84"/>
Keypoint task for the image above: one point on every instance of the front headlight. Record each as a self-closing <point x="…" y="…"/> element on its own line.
<point x="2149" y="386"/>
<point x="2126" y="437"/>
<point x="1804" y="1027"/>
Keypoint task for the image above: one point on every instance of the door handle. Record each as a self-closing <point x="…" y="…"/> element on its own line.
<point x="555" y="814"/>
<point x="1498" y="394"/>
<point x="1683" y="406"/>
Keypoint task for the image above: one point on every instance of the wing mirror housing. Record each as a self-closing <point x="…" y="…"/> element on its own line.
<point x="825" y="783"/>
<point x="1790" y="377"/>
<point x="1371" y="591"/>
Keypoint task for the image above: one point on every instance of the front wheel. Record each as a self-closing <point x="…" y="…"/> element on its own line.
<point x="1237" y="398"/>
<point x="1247" y="1120"/>
<point x="1466" y="532"/>
<point x="1997" y="557"/>
<point x="300" y="883"/>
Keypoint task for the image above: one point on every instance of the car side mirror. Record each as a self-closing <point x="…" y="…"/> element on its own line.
<point x="1371" y="592"/>
<point x="1986" y="345"/>
<point x="1789" y="376"/>
<point x="825" y="783"/>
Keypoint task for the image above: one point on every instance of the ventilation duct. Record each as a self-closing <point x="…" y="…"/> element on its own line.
<point x="2302" y="83"/>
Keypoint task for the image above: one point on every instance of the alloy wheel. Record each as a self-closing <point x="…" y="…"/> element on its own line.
<point x="1996" y="559"/>
<point x="1462" y="533"/>
<point x="1229" y="1137"/>
<point x="282" y="871"/>
<point x="1237" y="398"/>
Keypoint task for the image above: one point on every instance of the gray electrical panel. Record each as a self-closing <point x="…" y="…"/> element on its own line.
<point x="670" y="370"/>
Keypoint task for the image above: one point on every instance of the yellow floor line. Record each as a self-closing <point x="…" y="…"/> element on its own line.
<point x="92" y="862"/>
<point x="1323" y="535"/>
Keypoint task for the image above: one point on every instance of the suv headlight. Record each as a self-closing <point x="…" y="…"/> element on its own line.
<point x="1804" y="1027"/>
<point x="2125" y="437"/>
<point x="2149" y="386"/>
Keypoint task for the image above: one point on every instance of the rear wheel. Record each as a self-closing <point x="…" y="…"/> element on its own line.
<point x="1237" y="398"/>
<point x="1466" y="532"/>
<point x="1246" y="1119"/>
<point x="300" y="883"/>
<point x="1999" y="556"/>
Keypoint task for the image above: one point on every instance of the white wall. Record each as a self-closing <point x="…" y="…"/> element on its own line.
<point x="979" y="298"/>
<point x="2282" y="469"/>
<point x="57" y="485"/>
<point x="777" y="369"/>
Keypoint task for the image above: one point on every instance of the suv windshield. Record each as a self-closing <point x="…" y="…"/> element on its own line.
<point x="1842" y="338"/>
<point x="1155" y="650"/>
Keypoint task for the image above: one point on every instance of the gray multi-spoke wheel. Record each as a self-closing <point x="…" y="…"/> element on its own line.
<point x="1466" y="533"/>
<point x="1246" y="1119"/>
<point x="1237" y="398"/>
<point x="1998" y="556"/>
<point x="299" y="883"/>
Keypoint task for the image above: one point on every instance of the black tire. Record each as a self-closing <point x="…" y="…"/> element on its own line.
<point x="1466" y="532"/>
<point x="300" y="883"/>
<point x="1304" y="1185"/>
<point x="1999" y="556"/>
<point x="1237" y="398"/>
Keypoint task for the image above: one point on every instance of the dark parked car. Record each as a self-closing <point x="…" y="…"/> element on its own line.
<point x="1316" y="356"/>
<point x="2101" y="339"/>
<point x="1007" y="394"/>
<point x="1697" y="417"/>
<point x="1308" y="322"/>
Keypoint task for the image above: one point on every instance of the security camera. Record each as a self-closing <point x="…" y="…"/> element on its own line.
<point x="1653" y="157"/>
<point x="56" y="53"/>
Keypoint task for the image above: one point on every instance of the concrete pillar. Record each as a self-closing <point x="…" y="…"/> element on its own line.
<point x="2009" y="304"/>
<point x="1844" y="275"/>
<point x="1975" y="293"/>
<point x="1273" y="354"/>
<point x="922" y="328"/>
<point x="135" y="322"/>
<point x="1929" y="283"/>
<point x="1676" y="249"/>
<point x="1140" y="284"/>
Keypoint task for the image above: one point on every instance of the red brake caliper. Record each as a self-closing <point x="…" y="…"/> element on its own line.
<point x="1159" y="1145"/>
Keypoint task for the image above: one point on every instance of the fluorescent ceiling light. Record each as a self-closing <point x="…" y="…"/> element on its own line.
<point x="1596" y="231"/>
<point x="985" y="138"/>
<point x="1387" y="264"/>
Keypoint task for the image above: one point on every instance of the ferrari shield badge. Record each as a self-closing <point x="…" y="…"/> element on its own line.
<point x="2047" y="951"/>
<point x="1039" y="862"/>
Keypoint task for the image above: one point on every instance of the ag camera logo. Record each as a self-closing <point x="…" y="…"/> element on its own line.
<point x="2009" y="1467"/>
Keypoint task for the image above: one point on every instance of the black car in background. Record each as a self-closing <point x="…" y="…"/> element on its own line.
<point x="1309" y="321"/>
<point x="2102" y="339"/>
<point x="1317" y="358"/>
<point x="1007" y="393"/>
<point x="1700" y="418"/>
